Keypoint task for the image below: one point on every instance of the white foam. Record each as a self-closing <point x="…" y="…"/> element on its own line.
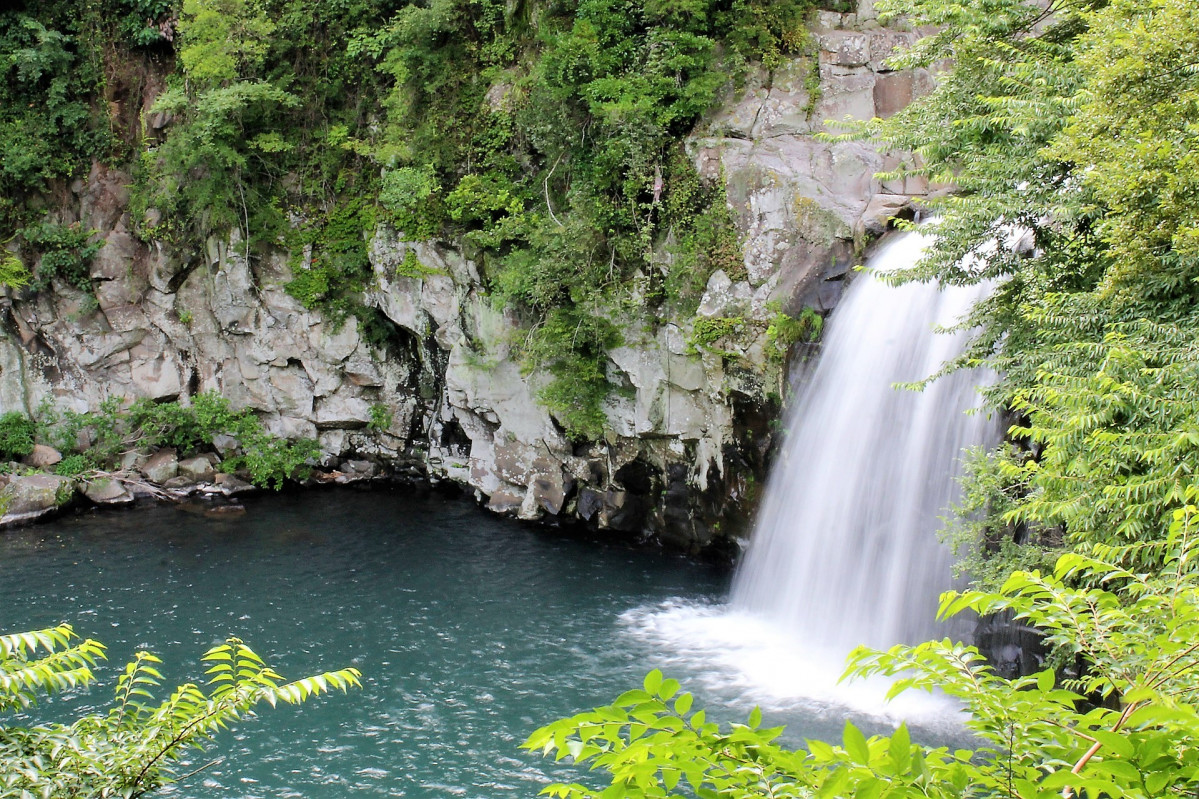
<point x="748" y="659"/>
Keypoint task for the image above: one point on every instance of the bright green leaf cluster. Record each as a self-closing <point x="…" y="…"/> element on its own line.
<point x="131" y="750"/>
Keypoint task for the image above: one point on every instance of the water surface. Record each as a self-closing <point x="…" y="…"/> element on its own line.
<point x="471" y="630"/>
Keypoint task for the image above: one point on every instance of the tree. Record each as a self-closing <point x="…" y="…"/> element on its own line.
<point x="134" y="748"/>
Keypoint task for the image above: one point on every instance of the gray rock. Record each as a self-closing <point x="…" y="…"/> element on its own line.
<point x="31" y="496"/>
<point x="134" y="460"/>
<point x="340" y="411"/>
<point x="42" y="456"/>
<point x="225" y="445"/>
<point x="230" y="485"/>
<point x="106" y="491"/>
<point x="549" y="491"/>
<point x="161" y="466"/>
<point x="363" y="373"/>
<point x="361" y="469"/>
<point x="198" y="469"/>
<point x="505" y="501"/>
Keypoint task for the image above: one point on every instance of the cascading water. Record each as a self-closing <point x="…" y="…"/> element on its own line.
<point x="846" y="550"/>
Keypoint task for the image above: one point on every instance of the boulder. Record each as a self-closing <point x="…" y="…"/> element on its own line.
<point x="550" y="491"/>
<point x="161" y="466"/>
<point x="360" y="469"/>
<point x="228" y="484"/>
<point x="42" y="456"/>
<point x="106" y="491"/>
<point x="31" y="496"/>
<point x="199" y="468"/>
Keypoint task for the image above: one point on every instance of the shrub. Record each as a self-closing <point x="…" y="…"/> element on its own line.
<point x="16" y="435"/>
<point x="73" y="465"/>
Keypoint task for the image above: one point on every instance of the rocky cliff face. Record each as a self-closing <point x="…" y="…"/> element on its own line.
<point x="688" y="427"/>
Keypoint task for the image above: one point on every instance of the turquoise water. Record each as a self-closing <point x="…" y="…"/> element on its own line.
<point x="471" y="631"/>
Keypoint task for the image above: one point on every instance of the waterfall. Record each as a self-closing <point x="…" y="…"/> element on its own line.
<point x="846" y="551"/>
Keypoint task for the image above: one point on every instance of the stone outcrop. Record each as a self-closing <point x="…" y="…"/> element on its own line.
<point x="687" y="427"/>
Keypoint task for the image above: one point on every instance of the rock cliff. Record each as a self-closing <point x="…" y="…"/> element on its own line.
<point x="688" y="426"/>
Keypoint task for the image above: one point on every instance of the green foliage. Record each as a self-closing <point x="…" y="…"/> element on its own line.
<point x="702" y="235"/>
<point x="47" y="130"/>
<point x="73" y="465"/>
<point x="271" y="460"/>
<point x="381" y="416"/>
<point x="331" y="261"/>
<point x="574" y="345"/>
<point x="709" y="330"/>
<point x="134" y="748"/>
<point x="547" y="141"/>
<point x="13" y="273"/>
<point x="115" y="429"/>
<point x="410" y="195"/>
<point x="64" y="252"/>
<point x="784" y="330"/>
<point x="412" y="267"/>
<point x="1127" y="727"/>
<point x="16" y="435"/>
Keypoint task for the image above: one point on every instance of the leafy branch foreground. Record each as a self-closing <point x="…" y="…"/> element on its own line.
<point x="1128" y="727"/>
<point x="136" y="747"/>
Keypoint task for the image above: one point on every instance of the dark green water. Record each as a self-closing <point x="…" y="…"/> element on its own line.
<point x="470" y="630"/>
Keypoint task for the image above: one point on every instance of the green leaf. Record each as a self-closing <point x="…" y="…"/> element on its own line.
<point x="855" y="744"/>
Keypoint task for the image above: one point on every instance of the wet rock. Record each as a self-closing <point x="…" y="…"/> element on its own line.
<point x="161" y="466"/>
<point x="32" y="496"/>
<point x="612" y="510"/>
<point x="42" y="457"/>
<point x="225" y="511"/>
<point x="505" y="501"/>
<point x="107" y="491"/>
<point x="230" y="485"/>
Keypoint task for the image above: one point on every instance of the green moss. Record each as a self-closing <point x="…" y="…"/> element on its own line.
<point x="411" y="266"/>
<point x="707" y="331"/>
